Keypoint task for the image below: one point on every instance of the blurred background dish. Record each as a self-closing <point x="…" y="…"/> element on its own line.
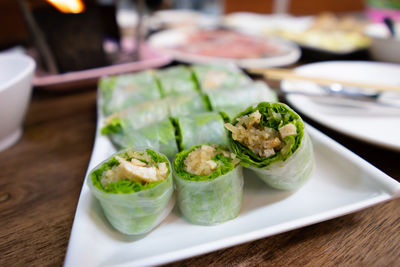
<point x="220" y="45"/>
<point x="378" y="128"/>
<point x="324" y="33"/>
<point x="16" y="72"/>
<point x="331" y="33"/>
<point x="174" y="18"/>
<point x="266" y="23"/>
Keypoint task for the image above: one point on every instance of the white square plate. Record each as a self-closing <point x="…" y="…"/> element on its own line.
<point x="341" y="183"/>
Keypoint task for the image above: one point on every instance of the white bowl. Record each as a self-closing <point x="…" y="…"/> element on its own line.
<point x="383" y="46"/>
<point x="16" y="72"/>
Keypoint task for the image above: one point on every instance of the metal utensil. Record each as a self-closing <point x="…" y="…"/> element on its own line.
<point x="350" y="97"/>
<point x="351" y="91"/>
<point x="288" y="74"/>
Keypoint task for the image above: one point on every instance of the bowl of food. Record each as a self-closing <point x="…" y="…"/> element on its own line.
<point x="16" y="72"/>
<point x="384" y="45"/>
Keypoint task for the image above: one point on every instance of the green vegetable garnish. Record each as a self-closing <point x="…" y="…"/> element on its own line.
<point x="273" y="115"/>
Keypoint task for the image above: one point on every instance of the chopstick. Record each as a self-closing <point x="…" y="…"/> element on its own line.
<point x="280" y="74"/>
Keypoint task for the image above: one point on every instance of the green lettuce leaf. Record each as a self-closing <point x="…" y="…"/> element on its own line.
<point x="124" y="186"/>
<point x="178" y="133"/>
<point x="225" y="165"/>
<point x="114" y="126"/>
<point x="274" y="115"/>
<point x="207" y="103"/>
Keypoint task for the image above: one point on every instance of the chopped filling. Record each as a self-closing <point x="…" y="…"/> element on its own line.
<point x="287" y="130"/>
<point x="261" y="140"/>
<point x="139" y="168"/>
<point x="199" y="161"/>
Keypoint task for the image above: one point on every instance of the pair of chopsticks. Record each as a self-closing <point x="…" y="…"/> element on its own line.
<point x="281" y="74"/>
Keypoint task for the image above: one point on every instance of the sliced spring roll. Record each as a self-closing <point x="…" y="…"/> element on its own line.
<point x="207" y="127"/>
<point x="159" y="136"/>
<point x="134" y="189"/>
<point x="233" y="101"/>
<point x="212" y="77"/>
<point x="175" y="81"/>
<point x="209" y="184"/>
<point x="122" y="91"/>
<point x="271" y="140"/>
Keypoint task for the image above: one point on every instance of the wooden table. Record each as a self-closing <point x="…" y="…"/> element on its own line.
<point x="42" y="175"/>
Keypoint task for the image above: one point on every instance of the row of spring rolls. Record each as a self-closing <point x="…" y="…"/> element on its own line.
<point x="178" y="119"/>
<point x="122" y="91"/>
<point x="269" y="139"/>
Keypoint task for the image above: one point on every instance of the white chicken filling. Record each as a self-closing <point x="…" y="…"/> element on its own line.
<point x="261" y="140"/>
<point x="139" y="169"/>
<point x="199" y="161"/>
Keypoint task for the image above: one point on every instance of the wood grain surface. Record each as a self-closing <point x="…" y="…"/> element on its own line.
<point x="42" y="175"/>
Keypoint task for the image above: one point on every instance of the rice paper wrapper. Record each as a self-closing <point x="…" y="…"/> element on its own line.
<point x="291" y="173"/>
<point x="141" y="115"/>
<point x="122" y="91"/>
<point x="159" y="136"/>
<point x="176" y="81"/>
<point x="202" y="128"/>
<point x="212" y="77"/>
<point x="136" y="213"/>
<point x="230" y="112"/>
<point x="213" y="201"/>
<point x="186" y="105"/>
<point x="233" y="101"/>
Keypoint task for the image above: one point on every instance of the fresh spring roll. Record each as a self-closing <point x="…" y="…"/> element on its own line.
<point x="148" y="123"/>
<point x="209" y="184"/>
<point x="175" y="81"/>
<point x="212" y="77"/>
<point x="122" y="91"/>
<point x="137" y="117"/>
<point x="134" y="188"/>
<point x="159" y="136"/>
<point x="207" y="127"/>
<point x="271" y="140"/>
<point x="233" y="101"/>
